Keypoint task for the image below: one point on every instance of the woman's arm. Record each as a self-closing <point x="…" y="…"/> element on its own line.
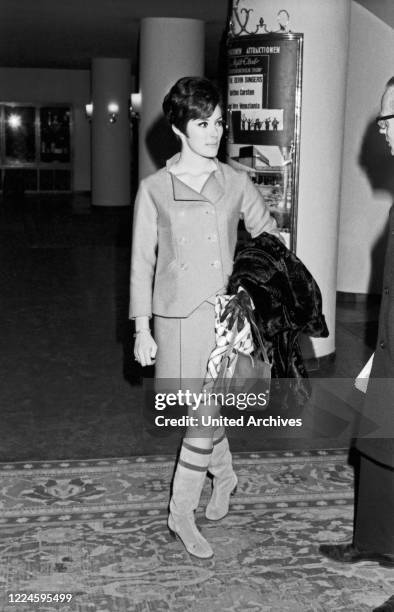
<point x="141" y="324"/>
<point x="143" y="262"/>
<point x="143" y="254"/>
<point x="255" y="212"/>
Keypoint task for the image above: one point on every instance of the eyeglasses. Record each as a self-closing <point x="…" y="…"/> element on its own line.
<point x="383" y="121"/>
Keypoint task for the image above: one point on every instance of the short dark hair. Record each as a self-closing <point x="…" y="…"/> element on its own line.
<point x="190" y="98"/>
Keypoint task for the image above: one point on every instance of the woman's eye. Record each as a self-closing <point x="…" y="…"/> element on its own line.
<point x="203" y="124"/>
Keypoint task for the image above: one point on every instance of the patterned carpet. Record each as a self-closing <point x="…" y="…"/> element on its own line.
<point x="97" y="530"/>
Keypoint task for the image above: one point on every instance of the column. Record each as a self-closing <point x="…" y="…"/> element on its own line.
<point x="325" y="25"/>
<point x="169" y="50"/>
<point x="111" y="88"/>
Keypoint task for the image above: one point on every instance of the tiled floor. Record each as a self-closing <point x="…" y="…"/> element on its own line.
<point x="69" y="385"/>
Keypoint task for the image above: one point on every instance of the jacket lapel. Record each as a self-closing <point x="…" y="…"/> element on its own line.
<point x="213" y="188"/>
<point x="181" y="191"/>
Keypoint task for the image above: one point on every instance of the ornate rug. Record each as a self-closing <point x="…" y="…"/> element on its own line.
<point x="95" y="531"/>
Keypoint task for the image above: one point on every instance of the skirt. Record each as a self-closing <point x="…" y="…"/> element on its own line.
<point x="184" y="346"/>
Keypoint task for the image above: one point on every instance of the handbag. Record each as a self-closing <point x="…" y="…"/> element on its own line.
<point x="247" y="373"/>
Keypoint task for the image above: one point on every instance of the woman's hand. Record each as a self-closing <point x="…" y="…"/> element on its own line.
<point x="145" y="348"/>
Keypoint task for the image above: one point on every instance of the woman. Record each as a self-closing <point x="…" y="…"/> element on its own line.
<point x="184" y="237"/>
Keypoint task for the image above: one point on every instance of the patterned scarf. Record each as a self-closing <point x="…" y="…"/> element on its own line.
<point x="231" y="327"/>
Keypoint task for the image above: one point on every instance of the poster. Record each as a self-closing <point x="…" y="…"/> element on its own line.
<point x="264" y="104"/>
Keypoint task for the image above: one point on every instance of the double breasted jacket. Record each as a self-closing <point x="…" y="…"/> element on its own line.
<point x="184" y="241"/>
<point x="377" y="439"/>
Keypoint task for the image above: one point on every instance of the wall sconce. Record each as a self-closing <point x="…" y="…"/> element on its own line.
<point x="135" y="105"/>
<point x="113" y="112"/>
<point x="89" y="111"/>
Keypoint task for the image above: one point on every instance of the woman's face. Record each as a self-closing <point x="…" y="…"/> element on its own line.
<point x="203" y="135"/>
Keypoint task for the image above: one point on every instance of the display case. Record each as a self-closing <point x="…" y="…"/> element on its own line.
<point x="264" y="111"/>
<point x="35" y="147"/>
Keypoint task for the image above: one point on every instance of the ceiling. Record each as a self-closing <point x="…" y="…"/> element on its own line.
<point x="68" y="33"/>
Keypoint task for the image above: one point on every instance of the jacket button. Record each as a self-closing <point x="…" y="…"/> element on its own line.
<point x="182" y="240"/>
<point x="386" y="290"/>
<point x="215" y="264"/>
<point x="212" y="237"/>
<point x="184" y="266"/>
<point x="382" y="344"/>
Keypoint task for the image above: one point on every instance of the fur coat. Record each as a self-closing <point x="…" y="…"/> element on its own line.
<point x="287" y="302"/>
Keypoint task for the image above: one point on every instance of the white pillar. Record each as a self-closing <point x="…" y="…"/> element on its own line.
<point x="111" y="84"/>
<point x="325" y="25"/>
<point x="169" y="50"/>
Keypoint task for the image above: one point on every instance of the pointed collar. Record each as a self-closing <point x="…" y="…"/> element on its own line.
<point x="212" y="190"/>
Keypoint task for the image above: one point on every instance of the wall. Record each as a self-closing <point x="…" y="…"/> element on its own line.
<point x="368" y="170"/>
<point x="42" y="86"/>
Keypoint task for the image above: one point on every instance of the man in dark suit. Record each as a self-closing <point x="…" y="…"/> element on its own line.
<point x="373" y="537"/>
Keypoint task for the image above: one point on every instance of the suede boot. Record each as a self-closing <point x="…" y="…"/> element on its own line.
<point x="186" y="490"/>
<point x="224" y="480"/>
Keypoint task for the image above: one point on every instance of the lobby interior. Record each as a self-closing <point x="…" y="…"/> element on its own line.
<point x="85" y="474"/>
<point x="70" y="387"/>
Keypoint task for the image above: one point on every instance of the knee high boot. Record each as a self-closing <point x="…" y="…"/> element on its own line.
<point x="186" y="490"/>
<point x="224" y="480"/>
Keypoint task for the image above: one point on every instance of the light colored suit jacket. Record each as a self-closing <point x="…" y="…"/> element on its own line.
<point x="184" y="241"/>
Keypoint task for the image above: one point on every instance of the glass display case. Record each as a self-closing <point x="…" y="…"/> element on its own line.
<point x="35" y="147"/>
<point x="264" y="114"/>
<point x="55" y="134"/>
<point x="20" y="134"/>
